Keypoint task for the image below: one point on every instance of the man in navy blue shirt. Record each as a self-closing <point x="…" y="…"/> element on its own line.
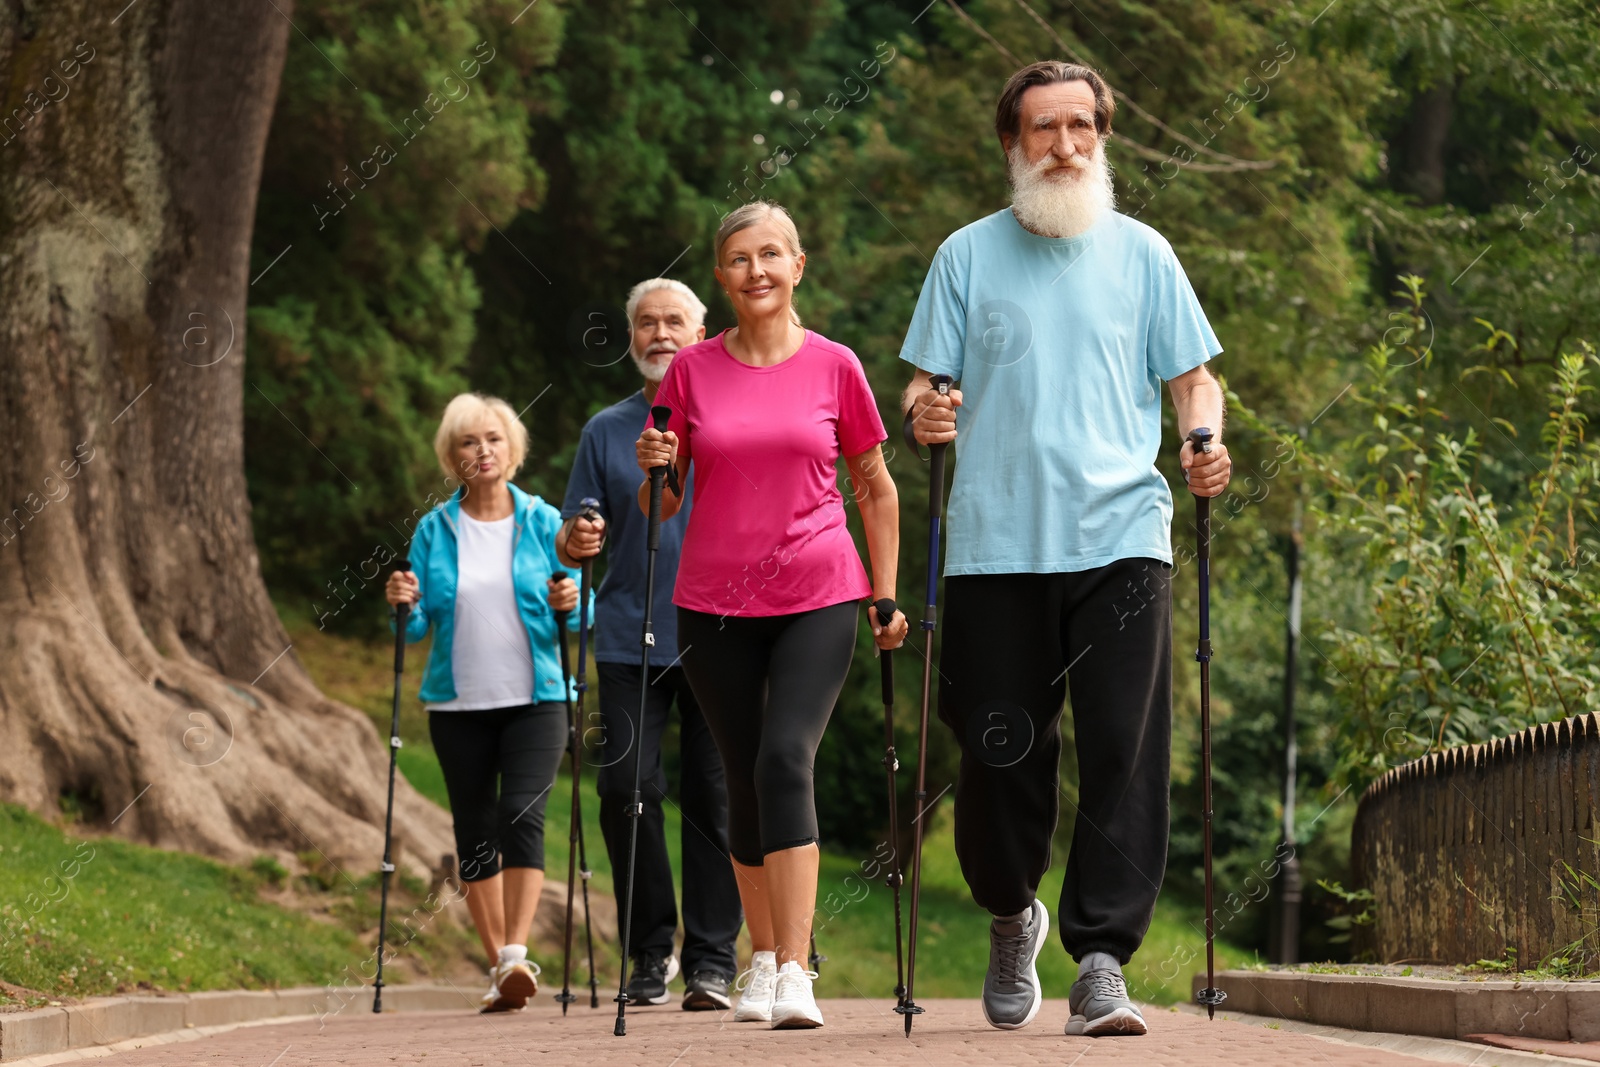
<point x="664" y="315"/>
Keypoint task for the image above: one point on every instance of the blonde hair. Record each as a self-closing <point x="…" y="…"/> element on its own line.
<point x="756" y="211"/>
<point x="465" y="414"/>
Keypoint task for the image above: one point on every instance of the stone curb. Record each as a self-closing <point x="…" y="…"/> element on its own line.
<point x="1439" y="1049"/>
<point x="1551" y="1011"/>
<point x="110" y="1020"/>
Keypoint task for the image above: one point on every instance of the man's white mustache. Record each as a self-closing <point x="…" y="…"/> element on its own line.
<point x="1050" y="163"/>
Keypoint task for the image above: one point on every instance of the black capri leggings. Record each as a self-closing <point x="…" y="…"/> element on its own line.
<point x="498" y="768"/>
<point x="767" y="686"/>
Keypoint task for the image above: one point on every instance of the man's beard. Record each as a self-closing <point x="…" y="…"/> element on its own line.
<point x="653" y="372"/>
<point x="1060" y="207"/>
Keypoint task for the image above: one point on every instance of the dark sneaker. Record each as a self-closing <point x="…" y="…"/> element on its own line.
<point x="1100" y="1006"/>
<point x="706" y="991"/>
<point x="1011" y="988"/>
<point x="650" y="977"/>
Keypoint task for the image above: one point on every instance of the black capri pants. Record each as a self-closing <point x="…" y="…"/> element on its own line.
<point x="767" y="686"/>
<point x="499" y="765"/>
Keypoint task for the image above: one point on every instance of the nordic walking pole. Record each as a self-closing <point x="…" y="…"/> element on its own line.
<point x="576" y="863"/>
<point x="565" y="997"/>
<point x="891" y="763"/>
<point x="930" y="613"/>
<point x="402" y="613"/>
<point x="659" y="415"/>
<point x="1200" y="436"/>
<point x="591" y="511"/>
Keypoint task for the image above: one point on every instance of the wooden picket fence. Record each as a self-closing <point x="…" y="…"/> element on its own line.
<point x="1482" y="849"/>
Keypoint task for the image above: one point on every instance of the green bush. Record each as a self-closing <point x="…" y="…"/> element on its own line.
<point x="1479" y="603"/>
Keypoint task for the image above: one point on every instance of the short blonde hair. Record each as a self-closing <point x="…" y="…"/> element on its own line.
<point x="466" y="413"/>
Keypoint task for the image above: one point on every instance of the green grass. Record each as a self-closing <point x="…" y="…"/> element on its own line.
<point x="420" y="767"/>
<point x="89" y="916"/>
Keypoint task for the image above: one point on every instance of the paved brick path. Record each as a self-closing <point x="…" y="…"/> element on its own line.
<point x="858" y="1031"/>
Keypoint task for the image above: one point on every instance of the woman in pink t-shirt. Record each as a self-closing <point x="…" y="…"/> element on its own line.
<point x="769" y="582"/>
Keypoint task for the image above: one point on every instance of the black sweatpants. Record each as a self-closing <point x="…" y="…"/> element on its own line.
<point x="1013" y="644"/>
<point x="768" y="685"/>
<point x="498" y="768"/>
<point x="711" y="910"/>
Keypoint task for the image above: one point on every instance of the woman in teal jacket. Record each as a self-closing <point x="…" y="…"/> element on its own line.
<point x="485" y="579"/>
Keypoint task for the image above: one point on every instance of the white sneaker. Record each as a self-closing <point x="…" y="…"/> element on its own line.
<point x="487" y="1002"/>
<point x="510" y="986"/>
<point x="756" y="987"/>
<point x="793" y="1006"/>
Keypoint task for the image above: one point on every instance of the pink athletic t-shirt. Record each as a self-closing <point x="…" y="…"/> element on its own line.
<point x="767" y="535"/>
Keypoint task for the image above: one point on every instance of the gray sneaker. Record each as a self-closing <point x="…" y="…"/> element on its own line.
<point x="1011" y="988"/>
<point x="1100" y="1006"/>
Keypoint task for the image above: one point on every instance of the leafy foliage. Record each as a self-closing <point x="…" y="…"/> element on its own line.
<point x="1481" y="605"/>
<point x="399" y="140"/>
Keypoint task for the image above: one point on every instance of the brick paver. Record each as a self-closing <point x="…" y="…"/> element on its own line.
<point x="858" y="1031"/>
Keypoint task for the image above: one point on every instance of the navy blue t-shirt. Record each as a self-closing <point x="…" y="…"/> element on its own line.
<point x="607" y="468"/>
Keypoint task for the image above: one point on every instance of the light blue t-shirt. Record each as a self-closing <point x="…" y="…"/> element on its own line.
<point x="1060" y="347"/>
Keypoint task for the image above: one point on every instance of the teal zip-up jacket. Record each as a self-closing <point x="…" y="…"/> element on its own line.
<point x="533" y="563"/>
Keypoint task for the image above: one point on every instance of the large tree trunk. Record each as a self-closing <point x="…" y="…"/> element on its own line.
<point x="143" y="669"/>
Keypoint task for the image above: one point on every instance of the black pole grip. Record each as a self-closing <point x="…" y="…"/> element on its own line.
<point x="402" y="612"/>
<point x="660" y="414"/>
<point x="589" y="510"/>
<point x="886" y="609"/>
<point x="941" y="383"/>
<point x="658" y="477"/>
<point x="1201" y="437"/>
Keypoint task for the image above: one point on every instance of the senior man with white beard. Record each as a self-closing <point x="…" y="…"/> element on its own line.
<point x="1061" y="318"/>
<point x="664" y="315"/>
